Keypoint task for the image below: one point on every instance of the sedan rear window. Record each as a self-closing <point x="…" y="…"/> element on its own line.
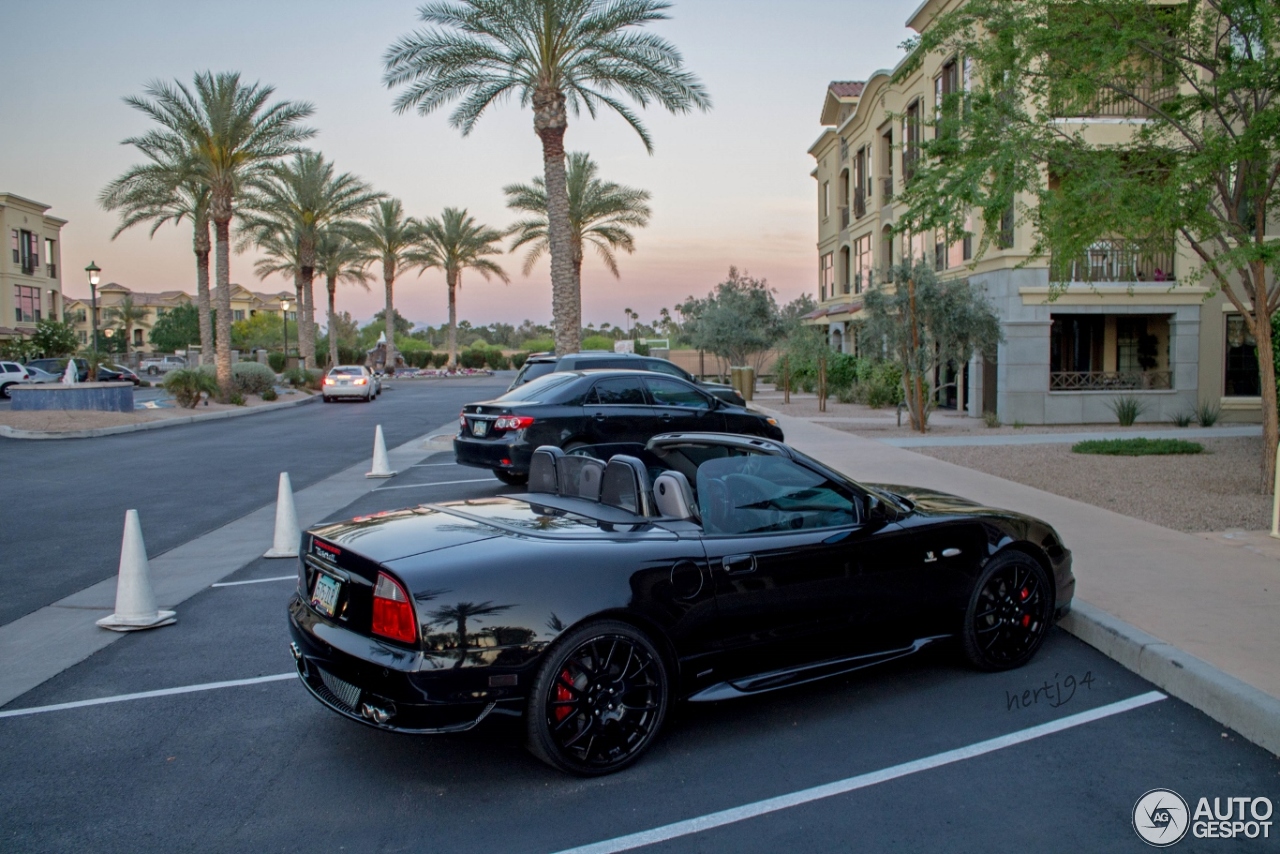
<point x="346" y="372"/>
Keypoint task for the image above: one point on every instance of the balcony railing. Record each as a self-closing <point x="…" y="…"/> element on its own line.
<point x="859" y="203"/>
<point x="1111" y="381"/>
<point x="844" y="149"/>
<point x="1108" y="104"/>
<point x="1117" y="261"/>
<point x="53" y="271"/>
<point x="910" y="158"/>
<point x="844" y="216"/>
<point x="886" y="189"/>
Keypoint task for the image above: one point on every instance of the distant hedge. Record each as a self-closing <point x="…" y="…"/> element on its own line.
<point x="1137" y="447"/>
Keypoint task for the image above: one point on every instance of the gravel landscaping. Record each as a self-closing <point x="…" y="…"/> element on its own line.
<point x="69" y="421"/>
<point x="1213" y="491"/>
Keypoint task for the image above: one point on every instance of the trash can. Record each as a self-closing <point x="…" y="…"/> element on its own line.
<point x="743" y="380"/>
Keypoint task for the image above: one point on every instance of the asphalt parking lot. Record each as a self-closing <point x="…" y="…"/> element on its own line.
<point x="264" y="767"/>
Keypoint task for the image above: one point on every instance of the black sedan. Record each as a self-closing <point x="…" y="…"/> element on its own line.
<point x="117" y="374"/>
<point x="572" y="409"/>
<point x="697" y="567"/>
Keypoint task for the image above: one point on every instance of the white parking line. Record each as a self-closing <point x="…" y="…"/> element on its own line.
<point x="862" y="781"/>
<point x="441" y="483"/>
<point x="430" y="465"/>
<point x="144" y="695"/>
<point x="293" y="577"/>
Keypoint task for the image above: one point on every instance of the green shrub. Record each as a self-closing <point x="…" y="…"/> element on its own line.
<point x="1127" y="409"/>
<point x="439" y="360"/>
<point x="597" y="342"/>
<point x="252" y="377"/>
<point x="1183" y="419"/>
<point x="236" y="399"/>
<point x="1137" y="447"/>
<point x="350" y="355"/>
<point x="314" y="380"/>
<point x="642" y="349"/>
<point x="882" y="384"/>
<point x="471" y="358"/>
<point x="300" y="378"/>
<point x="842" y="372"/>
<point x="991" y="419"/>
<point x="1208" y="413"/>
<point x="276" y="361"/>
<point x="494" y="358"/>
<point x="187" y="384"/>
<point x="542" y="345"/>
<point x="518" y="359"/>
<point x="270" y="395"/>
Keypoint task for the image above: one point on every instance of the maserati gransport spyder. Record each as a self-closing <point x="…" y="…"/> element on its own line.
<point x="697" y="567"/>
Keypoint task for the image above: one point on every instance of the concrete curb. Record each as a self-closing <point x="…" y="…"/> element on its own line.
<point x="15" y="433"/>
<point x="1250" y="712"/>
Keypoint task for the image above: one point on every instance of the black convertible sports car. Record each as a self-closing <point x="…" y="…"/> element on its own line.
<point x="697" y="566"/>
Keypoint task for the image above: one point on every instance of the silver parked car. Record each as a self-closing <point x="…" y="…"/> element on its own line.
<point x="41" y="376"/>
<point x="349" y="381"/>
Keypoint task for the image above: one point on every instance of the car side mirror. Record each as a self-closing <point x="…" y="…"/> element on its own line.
<point x="875" y="509"/>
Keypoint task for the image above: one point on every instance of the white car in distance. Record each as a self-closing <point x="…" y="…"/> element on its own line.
<point x="348" y="381"/>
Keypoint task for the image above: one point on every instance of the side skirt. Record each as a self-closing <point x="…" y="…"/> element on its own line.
<point x="791" y="676"/>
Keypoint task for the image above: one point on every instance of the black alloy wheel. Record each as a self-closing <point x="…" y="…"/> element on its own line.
<point x="599" y="699"/>
<point x="1009" y="613"/>
<point x="511" y="478"/>
<point x="4" y="390"/>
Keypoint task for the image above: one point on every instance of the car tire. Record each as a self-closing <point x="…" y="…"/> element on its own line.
<point x="599" y="699"/>
<point x="573" y="446"/>
<point x="511" y="478"/>
<point x="153" y="371"/>
<point x="326" y="399"/>
<point x="1009" y="614"/>
<point x="4" y="390"/>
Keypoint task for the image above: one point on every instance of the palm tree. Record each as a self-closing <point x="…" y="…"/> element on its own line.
<point x="387" y="237"/>
<point x="168" y="190"/>
<point x="338" y="259"/>
<point x="600" y="213"/>
<point x="230" y="134"/>
<point x="459" y="614"/>
<point x="556" y="56"/>
<point x="279" y="256"/>
<point x="301" y="197"/>
<point x="453" y="243"/>
<point x="127" y="314"/>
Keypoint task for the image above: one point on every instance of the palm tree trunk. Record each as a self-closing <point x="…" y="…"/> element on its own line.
<point x="451" y="279"/>
<point x="307" y="328"/>
<point x="222" y="272"/>
<point x="550" y="122"/>
<point x="297" y="314"/>
<point x="333" y="335"/>
<point x="389" y="279"/>
<point x="203" y="308"/>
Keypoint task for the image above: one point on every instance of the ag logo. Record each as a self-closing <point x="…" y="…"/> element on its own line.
<point x="1160" y="817"/>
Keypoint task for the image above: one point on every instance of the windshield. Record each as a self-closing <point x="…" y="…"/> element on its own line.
<point x="533" y="370"/>
<point x="533" y="392"/>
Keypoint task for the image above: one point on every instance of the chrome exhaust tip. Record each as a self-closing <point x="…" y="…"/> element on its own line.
<point x="373" y="713"/>
<point x="297" y="653"/>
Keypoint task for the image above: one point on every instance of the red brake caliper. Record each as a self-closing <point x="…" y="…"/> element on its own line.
<point x="1026" y="618"/>
<point x="563" y="694"/>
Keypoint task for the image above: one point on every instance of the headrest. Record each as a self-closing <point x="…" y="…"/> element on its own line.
<point x="542" y="469"/>
<point x="626" y="485"/>
<point x="673" y="497"/>
<point x="580" y="476"/>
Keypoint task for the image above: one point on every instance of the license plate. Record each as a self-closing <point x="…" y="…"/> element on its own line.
<point x="480" y="428"/>
<point x="343" y="382"/>
<point x="324" y="597"/>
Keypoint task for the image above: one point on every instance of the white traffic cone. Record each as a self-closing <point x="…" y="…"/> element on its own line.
<point x="381" y="468"/>
<point x="135" y="603"/>
<point x="287" y="536"/>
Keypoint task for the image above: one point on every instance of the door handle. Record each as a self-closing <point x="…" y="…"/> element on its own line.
<point x="738" y="564"/>
<point x="668" y="417"/>
<point x="599" y="416"/>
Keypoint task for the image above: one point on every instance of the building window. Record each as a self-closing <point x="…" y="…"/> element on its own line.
<point x="910" y="140"/>
<point x="825" y="275"/>
<point x="17" y="247"/>
<point x="26" y="304"/>
<point x="237" y="314"/>
<point x="862" y="263"/>
<point x="1004" y="240"/>
<point x="846" y="270"/>
<point x="29" y="255"/>
<point x="51" y="258"/>
<point x="1099" y="352"/>
<point x="1240" y="376"/>
<point x="83" y="336"/>
<point x="825" y="201"/>
<point x="137" y="337"/>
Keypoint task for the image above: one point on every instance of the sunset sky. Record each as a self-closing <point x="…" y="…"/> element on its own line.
<point x="730" y="186"/>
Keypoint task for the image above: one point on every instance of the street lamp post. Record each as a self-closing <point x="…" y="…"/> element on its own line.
<point x="284" y="322"/>
<point x="93" y="270"/>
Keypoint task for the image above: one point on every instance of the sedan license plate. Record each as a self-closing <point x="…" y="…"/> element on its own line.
<point x="480" y="428"/>
<point x="343" y="382"/>
<point x="324" y="596"/>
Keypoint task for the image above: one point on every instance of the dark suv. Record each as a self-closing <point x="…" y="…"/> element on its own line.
<point x="540" y="364"/>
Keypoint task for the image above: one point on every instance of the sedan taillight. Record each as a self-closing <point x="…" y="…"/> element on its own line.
<point x="513" y="422"/>
<point x="392" y="611"/>
<point x="329" y="381"/>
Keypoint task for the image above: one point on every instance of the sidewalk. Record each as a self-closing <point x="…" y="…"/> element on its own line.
<point x="1181" y="596"/>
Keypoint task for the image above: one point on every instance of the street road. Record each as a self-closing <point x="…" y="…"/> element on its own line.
<point x="264" y="767"/>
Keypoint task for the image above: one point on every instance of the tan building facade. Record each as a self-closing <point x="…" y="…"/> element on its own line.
<point x="1126" y="320"/>
<point x="31" y="269"/>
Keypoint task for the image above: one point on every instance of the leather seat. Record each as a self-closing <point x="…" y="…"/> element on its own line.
<point x="673" y="497"/>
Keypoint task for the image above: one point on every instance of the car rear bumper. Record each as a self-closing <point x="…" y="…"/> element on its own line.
<point x="513" y="456"/>
<point x="403" y="691"/>
<point x="345" y="391"/>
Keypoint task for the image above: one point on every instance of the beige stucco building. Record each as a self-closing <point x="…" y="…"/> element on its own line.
<point x="1126" y="320"/>
<point x="31" y="269"/>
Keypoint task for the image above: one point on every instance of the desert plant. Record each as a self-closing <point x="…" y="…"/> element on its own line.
<point x="236" y="399"/>
<point x="295" y="377"/>
<point x="1208" y="414"/>
<point x="439" y="360"/>
<point x="1138" y="447"/>
<point x="597" y="342"/>
<point x="188" y="384"/>
<point x="270" y="395"/>
<point x="471" y="358"/>
<point x="252" y="377"/>
<point x="494" y="358"/>
<point x="277" y="361"/>
<point x="1183" y="419"/>
<point x="991" y="419"/>
<point x="1127" y="409"/>
<point x="518" y="360"/>
<point x="541" y="345"/>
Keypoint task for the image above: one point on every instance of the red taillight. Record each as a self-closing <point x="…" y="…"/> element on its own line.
<point x="462" y="420"/>
<point x="361" y="381"/>
<point x="329" y="381"/>
<point x="513" y="422"/>
<point x="392" y="611"/>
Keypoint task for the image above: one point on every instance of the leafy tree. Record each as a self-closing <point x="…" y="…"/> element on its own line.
<point x="739" y="321"/>
<point x="600" y="214"/>
<point x="54" y="339"/>
<point x="400" y="326"/>
<point x="387" y="237"/>
<point x="177" y="329"/>
<point x="339" y="259"/>
<point x="1202" y="165"/>
<point x="127" y="315"/>
<point x="556" y="56"/>
<point x="298" y="200"/>
<point x="262" y="331"/>
<point x="453" y="243"/>
<point x="924" y="323"/>
<point x="230" y="134"/>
